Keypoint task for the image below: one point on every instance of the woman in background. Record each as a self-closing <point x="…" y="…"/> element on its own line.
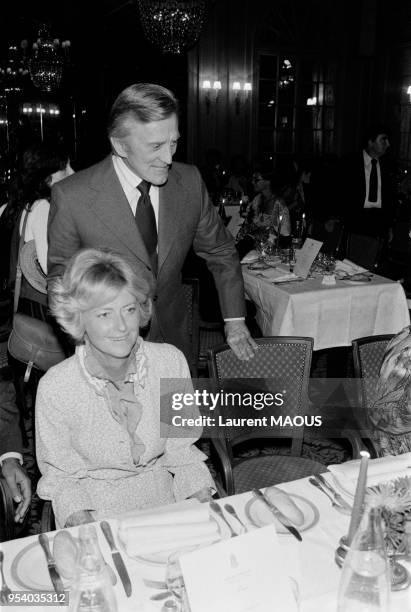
<point x="42" y="165"/>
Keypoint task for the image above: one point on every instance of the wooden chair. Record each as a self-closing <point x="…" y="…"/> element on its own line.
<point x="203" y="334"/>
<point x="191" y="288"/>
<point x="211" y="336"/>
<point x="368" y="354"/>
<point x="330" y="232"/>
<point x="365" y="251"/>
<point x="279" y="364"/>
<point x="47" y="520"/>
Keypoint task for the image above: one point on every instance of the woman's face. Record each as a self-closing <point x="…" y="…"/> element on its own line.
<point x="61" y="174"/>
<point x="112" y="328"/>
<point x="259" y="183"/>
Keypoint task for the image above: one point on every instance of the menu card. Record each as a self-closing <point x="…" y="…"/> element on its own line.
<point x="305" y="257"/>
<point x="240" y="574"/>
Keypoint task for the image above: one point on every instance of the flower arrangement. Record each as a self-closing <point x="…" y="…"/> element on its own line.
<point x="394" y="500"/>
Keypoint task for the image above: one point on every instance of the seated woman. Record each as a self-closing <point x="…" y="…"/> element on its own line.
<point x="390" y="412"/>
<point x="98" y="440"/>
<point x="267" y="210"/>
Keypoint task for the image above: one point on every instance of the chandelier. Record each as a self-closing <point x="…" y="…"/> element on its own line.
<point x="48" y="60"/>
<point x="13" y="71"/>
<point x="173" y="25"/>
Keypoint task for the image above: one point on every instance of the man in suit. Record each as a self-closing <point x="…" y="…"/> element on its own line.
<point x="367" y="187"/>
<point x="151" y="211"/>
<point x="11" y="458"/>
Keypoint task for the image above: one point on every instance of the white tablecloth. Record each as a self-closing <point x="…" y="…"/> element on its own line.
<point x="317" y="574"/>
<point x="333" y="316"/>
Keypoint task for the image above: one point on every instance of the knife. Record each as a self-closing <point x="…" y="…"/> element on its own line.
<point x="51" y="565"/>
<point x="117" y="559"/>
<point x="277" y="513"/>
<point x="338" y="498"/>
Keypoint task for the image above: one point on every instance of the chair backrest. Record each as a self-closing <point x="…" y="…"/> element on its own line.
<point x="191" y="288"/>
<point x="364" y="250"/>
<point x="280" y="364"/>
<point x="368" y="354"/>
<point x="330" y="233"/>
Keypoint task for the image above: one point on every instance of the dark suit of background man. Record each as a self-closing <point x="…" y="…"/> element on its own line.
<point x="367" y="187"/>
<point x="11" y="457"/>
<point x="97" y="208"/>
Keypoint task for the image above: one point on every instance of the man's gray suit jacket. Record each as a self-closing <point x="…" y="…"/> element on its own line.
<point x="90" y="209"/>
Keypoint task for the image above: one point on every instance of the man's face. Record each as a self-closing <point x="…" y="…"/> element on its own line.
<point x="376" y="148"/>
<point x="148" y="148"/>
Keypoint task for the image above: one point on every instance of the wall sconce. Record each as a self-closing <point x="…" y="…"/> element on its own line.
<point x="217" y="88"/>
<point x="206" y="86"/>
<point x="312" y="101"/>
<point x="237" y="87"/>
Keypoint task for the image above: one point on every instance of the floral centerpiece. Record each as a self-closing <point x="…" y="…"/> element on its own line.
<point x="394" y="500"/>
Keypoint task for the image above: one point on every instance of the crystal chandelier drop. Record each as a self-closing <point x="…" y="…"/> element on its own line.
<point x="48" y="60"/>
<point x="173" y="25"/>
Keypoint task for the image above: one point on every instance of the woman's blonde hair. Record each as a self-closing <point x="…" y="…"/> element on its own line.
<point x="92" y="278"/>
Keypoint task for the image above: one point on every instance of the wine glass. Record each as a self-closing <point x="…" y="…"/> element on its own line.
<point x="175" y="583"/>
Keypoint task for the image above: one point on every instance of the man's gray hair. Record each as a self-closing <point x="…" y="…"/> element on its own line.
<point x="144" y="102"/>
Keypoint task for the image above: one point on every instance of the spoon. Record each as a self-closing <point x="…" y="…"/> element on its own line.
<point x="229" y="508"/>
<point x="5" y="592"/>
<point x="214" y="506"/>
<point x="330" y="497"/>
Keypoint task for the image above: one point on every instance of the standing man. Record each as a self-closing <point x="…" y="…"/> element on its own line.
<point x="151" y="211"/>
<point x="368" y="187"/>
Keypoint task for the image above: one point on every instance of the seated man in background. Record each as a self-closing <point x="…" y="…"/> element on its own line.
<point x="11" y="458"/>
<point x="390" y="412"/>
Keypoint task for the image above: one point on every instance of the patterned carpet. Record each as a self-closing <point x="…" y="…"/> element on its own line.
<point x="325" y="451"/>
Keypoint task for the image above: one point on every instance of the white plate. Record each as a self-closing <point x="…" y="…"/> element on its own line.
<point x="29" y="569"/>
<point x="260" y="515"/>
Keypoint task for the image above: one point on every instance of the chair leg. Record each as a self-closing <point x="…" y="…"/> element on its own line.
<point x="47" y="521"/>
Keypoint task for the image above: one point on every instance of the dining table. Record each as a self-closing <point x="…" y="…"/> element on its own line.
<point x="311" y="564"/>
<point x="332" y="314"/>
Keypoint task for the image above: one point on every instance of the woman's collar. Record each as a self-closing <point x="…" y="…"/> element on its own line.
<point x="98" y="376"/>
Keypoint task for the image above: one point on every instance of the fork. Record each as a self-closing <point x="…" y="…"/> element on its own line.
<point x="214" y="506"/>
<point x="5" y="592"/>
<point x="335" y="504"/>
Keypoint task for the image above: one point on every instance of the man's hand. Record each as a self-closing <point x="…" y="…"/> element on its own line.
<point x="240" y="340"/>
<point x="20" y="486"/>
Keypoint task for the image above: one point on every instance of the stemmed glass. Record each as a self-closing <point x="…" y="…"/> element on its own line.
<point x="175" y="583"/>
<point x="263" y="244"/>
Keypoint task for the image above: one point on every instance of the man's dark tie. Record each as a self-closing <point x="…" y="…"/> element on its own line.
<point x="146" y="222"/>
<point x="373" y="191"/>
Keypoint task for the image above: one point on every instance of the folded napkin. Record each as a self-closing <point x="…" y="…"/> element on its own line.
<point x="251" y="257"/>
<point x="380" y="470"/>
<point x="348" y="267"/>
<point x="158" y="532"/>
<point x="278" y="276"/>
<point x="176" y="514"/>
